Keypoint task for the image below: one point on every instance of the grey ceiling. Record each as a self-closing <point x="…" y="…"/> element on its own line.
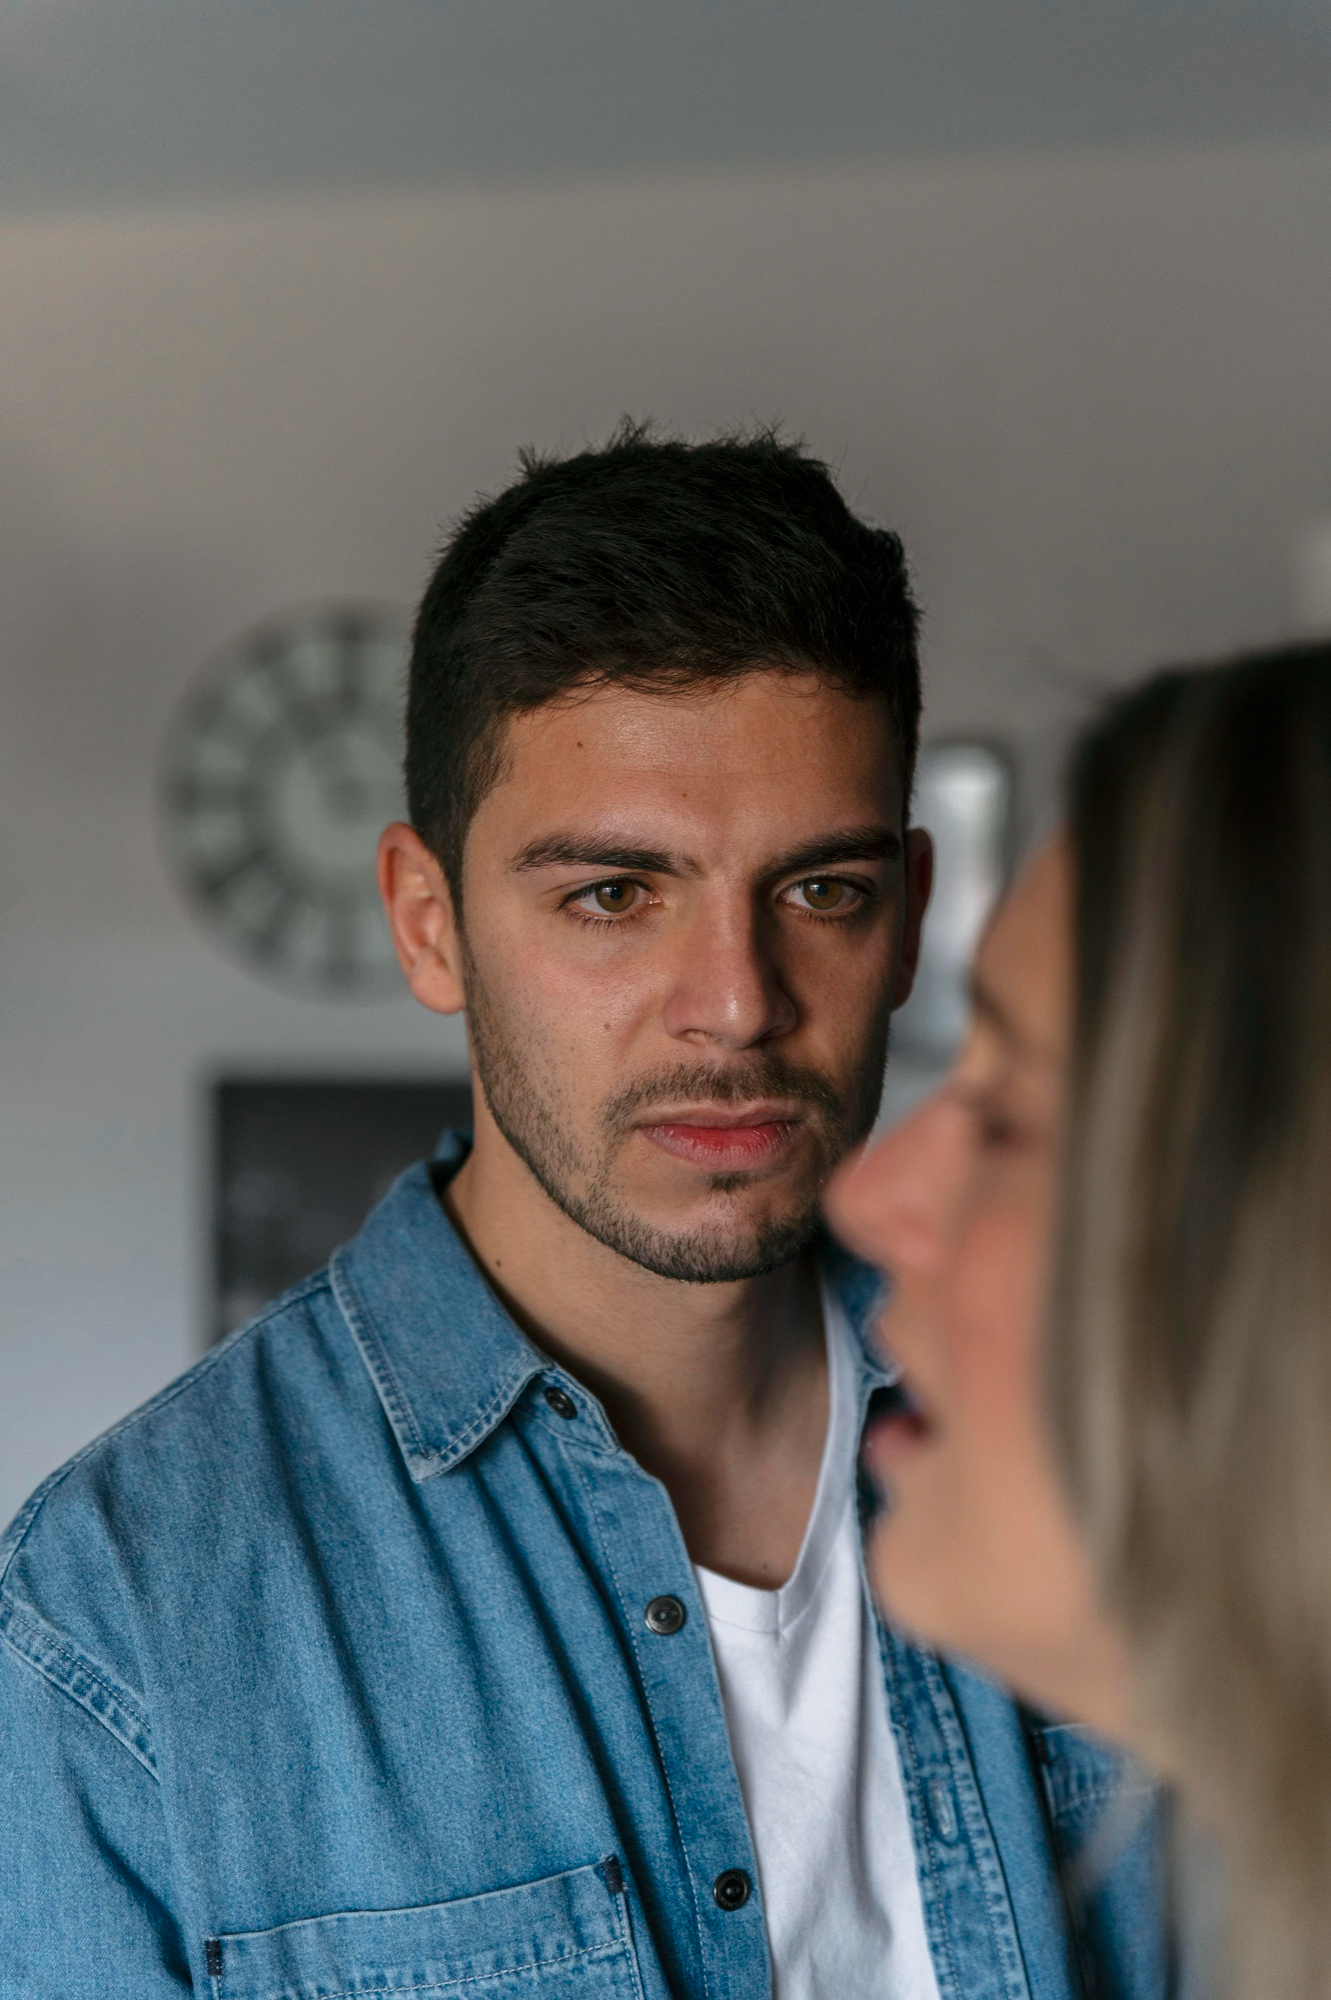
<point x="108" y="101"/>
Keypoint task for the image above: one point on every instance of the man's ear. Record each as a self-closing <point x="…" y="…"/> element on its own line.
<point x="422" y="918"/>
<point x="919" y="881"/>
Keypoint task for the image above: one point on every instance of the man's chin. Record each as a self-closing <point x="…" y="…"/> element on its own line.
<point x="704" y="1252"/>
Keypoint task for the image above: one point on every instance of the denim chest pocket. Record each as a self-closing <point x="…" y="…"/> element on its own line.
<point x="567" y="1937"/>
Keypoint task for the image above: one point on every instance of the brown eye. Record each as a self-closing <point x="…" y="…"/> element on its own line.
<point x="614" y="897"/>
<point x="820" y="894"/>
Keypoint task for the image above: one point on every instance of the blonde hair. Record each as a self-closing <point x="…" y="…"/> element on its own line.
<point x="1190" y="1351"/>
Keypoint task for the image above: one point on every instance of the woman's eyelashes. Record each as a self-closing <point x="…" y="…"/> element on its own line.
<point x="1006" y="1124"/>
<point x="999" y="1131"/>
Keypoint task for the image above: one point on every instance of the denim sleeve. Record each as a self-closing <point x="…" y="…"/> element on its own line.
<point x="84" y="1867"/>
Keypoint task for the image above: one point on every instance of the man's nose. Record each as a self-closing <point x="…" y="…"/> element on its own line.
<point x="727" y="987"/>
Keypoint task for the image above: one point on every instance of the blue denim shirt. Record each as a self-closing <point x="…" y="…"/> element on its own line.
<point x="327" y="1674"/>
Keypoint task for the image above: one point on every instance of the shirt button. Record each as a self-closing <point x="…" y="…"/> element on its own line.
<point x="560" y="1401"/>
<point x="665" y="1616"/>
<point x="730" y="1891"/>
<point x="943" y="1810"/>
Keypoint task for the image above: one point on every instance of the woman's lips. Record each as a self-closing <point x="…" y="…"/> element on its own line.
<point x="722" y="1148"/>
<point x="894" y="1436"/>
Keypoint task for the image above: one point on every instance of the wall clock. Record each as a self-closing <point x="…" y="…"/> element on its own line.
<point x="281" y="767"/>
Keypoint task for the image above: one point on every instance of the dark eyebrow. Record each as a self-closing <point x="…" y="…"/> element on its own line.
<point x="566" y="850"/>
<point x="857" y="843"/>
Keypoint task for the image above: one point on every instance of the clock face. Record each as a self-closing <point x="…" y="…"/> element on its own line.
<point x="282" y="767"/>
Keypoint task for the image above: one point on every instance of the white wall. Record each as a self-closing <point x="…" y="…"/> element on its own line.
<point x="1093" y="395"/>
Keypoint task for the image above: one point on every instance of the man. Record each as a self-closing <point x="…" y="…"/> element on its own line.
<point x="489" y="1615"/>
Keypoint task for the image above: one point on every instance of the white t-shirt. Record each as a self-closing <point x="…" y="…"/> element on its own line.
<point x="806" y="1704"/>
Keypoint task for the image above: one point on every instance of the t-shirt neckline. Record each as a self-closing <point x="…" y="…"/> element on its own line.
<point x="746" y="1605"/>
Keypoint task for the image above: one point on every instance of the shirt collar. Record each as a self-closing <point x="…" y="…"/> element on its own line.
<point x="446" y="1359"/>
<point x="861" y="1292"/>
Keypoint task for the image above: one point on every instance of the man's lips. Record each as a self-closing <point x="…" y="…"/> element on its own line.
<point x="722" y="1139"/>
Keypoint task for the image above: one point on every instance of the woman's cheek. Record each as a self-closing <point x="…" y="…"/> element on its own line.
<point x="995" y="1327"/>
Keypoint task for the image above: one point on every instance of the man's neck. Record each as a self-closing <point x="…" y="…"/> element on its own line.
<point x="718" y="1390"/>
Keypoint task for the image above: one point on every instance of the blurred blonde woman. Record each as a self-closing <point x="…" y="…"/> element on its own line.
<point x="1109" y="1236"/>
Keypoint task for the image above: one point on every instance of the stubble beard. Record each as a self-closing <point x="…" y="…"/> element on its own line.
<point x="530" y="1107"/>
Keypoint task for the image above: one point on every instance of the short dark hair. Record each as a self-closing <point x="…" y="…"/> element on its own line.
<point x="651" y="562"/>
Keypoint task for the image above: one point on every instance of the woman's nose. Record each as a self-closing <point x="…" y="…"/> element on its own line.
<point x="892" y="1202"/>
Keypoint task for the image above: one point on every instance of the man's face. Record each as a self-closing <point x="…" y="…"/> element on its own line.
<point x="686" y="919"/>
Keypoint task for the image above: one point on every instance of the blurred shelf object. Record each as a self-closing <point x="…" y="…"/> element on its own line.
<point x="299" y="1162"/>
<point x="964" y="797"/>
